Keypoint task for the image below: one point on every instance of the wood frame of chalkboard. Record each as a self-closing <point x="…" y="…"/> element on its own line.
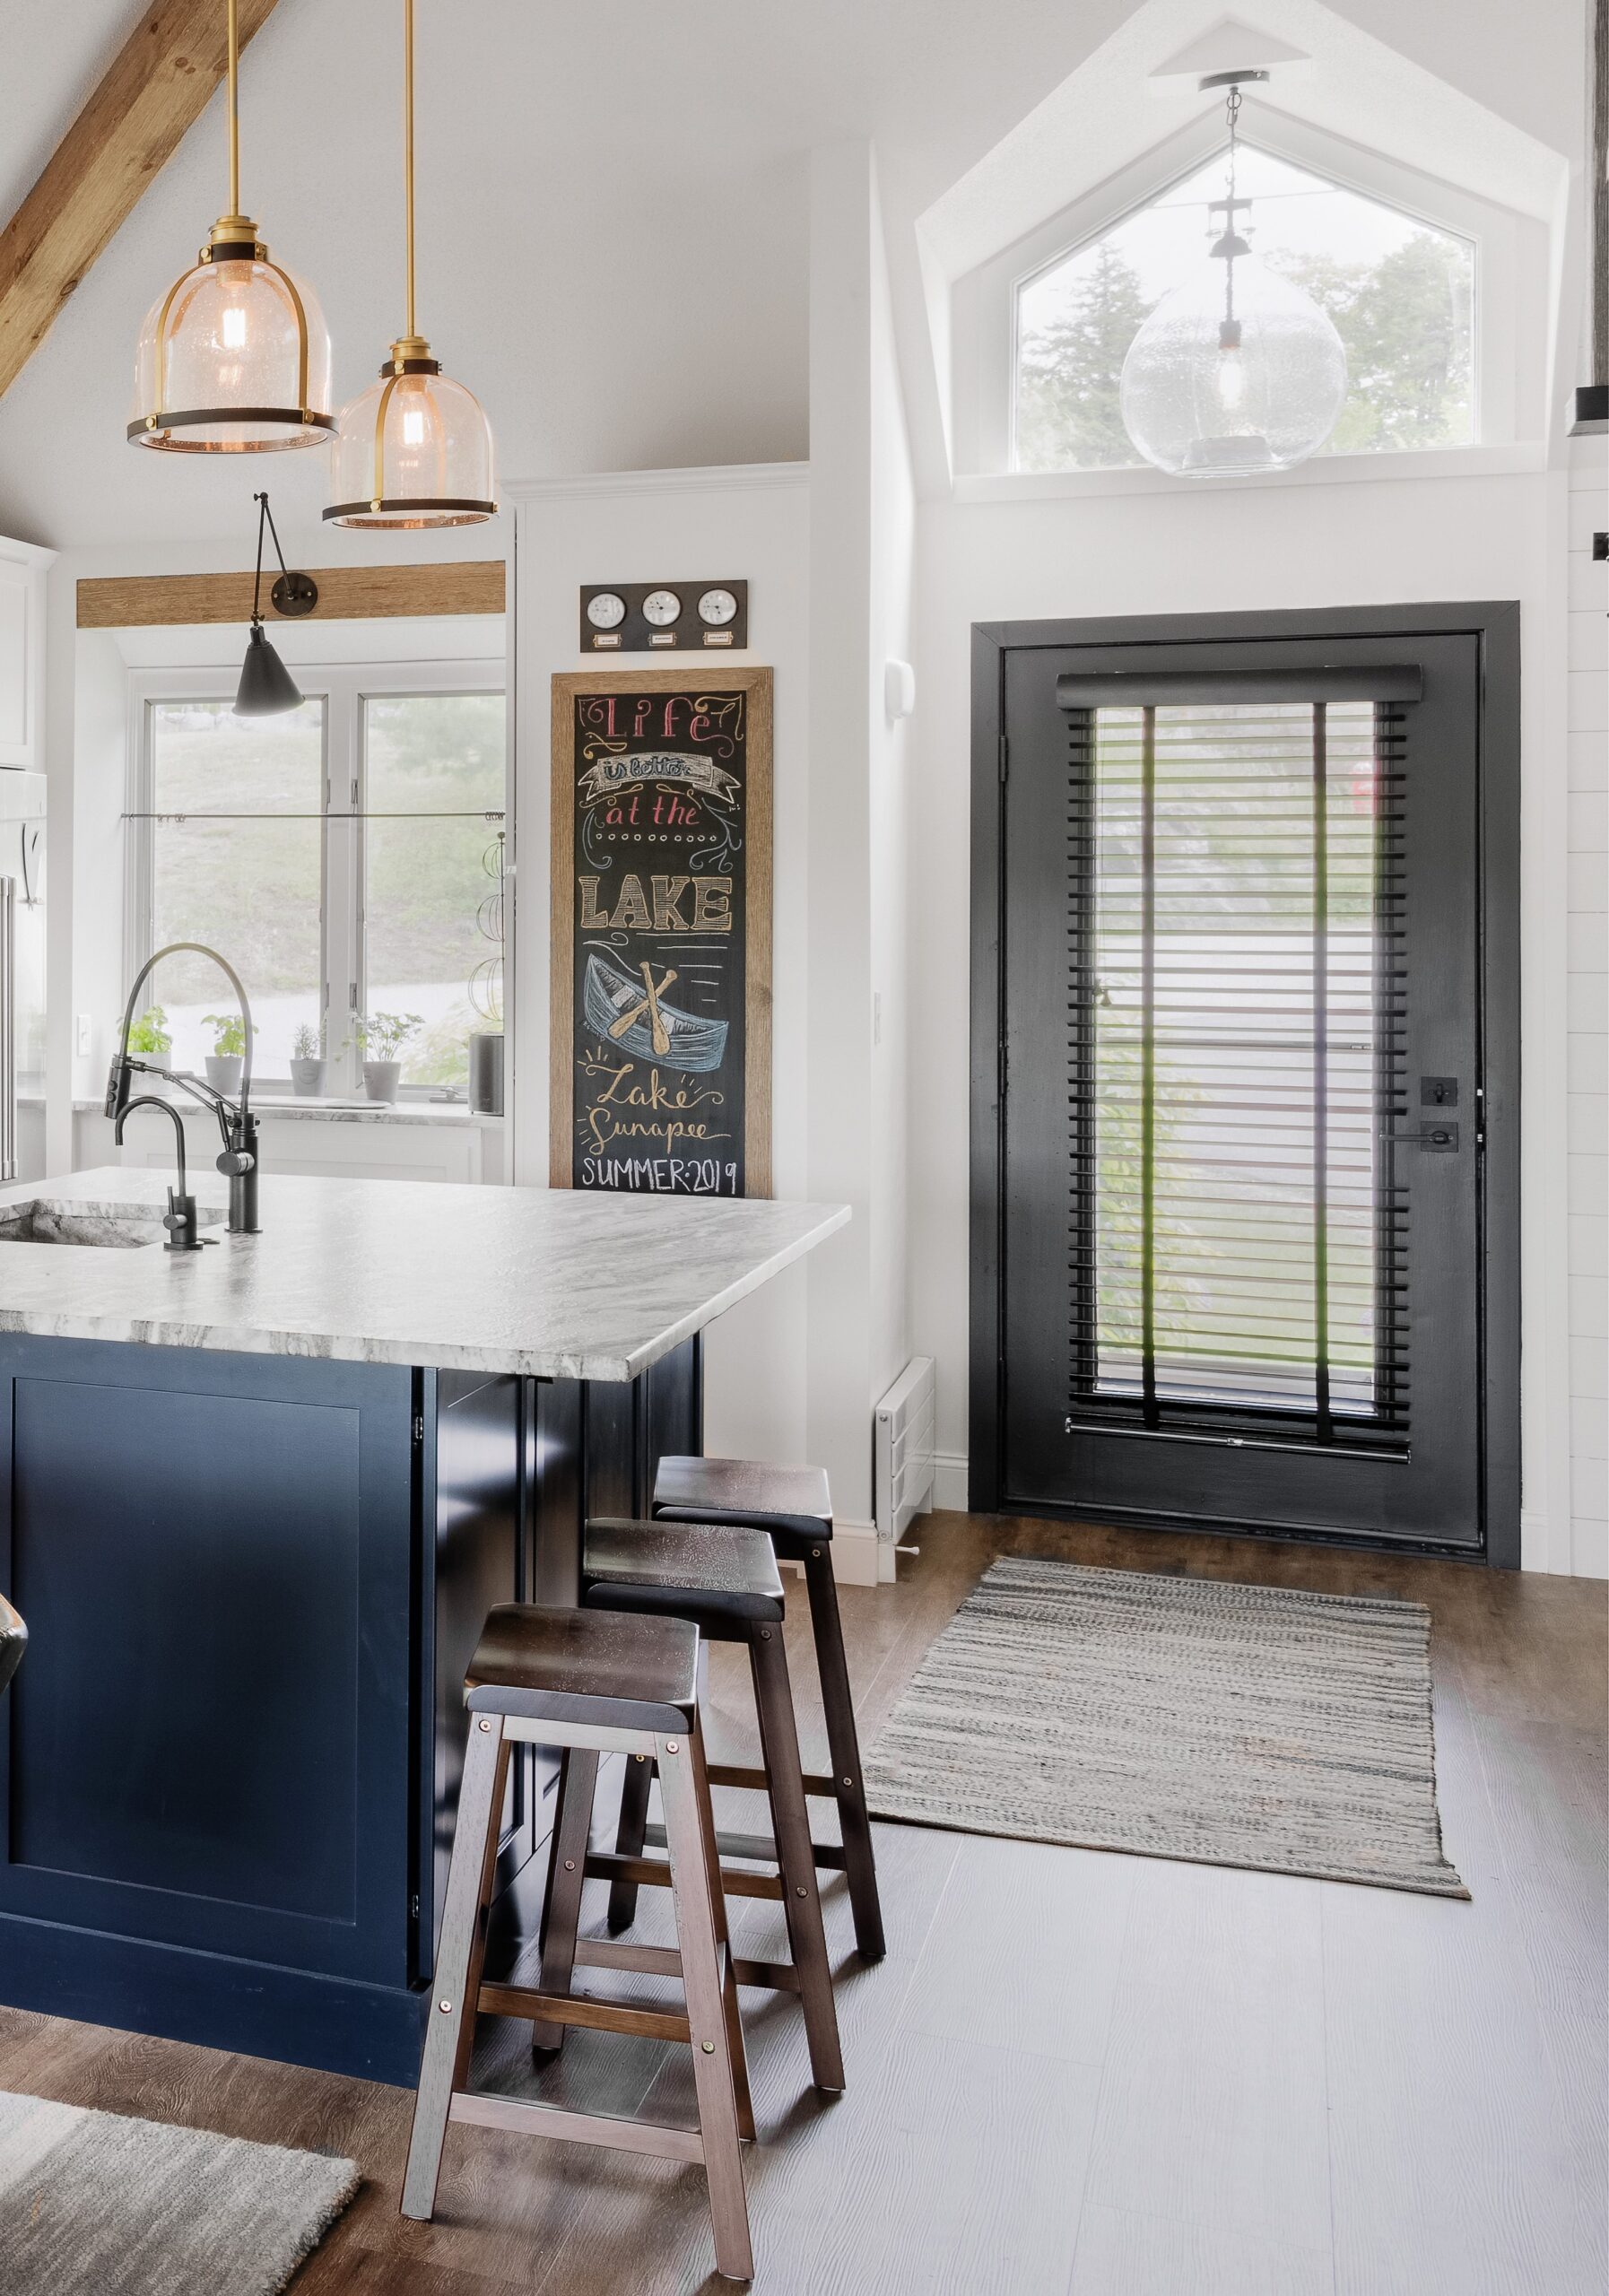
<point x="747" y="764"/>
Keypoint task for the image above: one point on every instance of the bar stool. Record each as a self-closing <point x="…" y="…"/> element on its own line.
<point x="590" y="1681"/>
<point x="727" y="1582"/>
<point x="794" y="1505"/>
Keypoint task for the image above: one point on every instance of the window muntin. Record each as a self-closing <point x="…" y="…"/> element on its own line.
<point x="1400" y="290"/>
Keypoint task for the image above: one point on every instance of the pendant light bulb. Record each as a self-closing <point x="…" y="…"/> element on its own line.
<point x="235" y="358"/>
<point x="1238" y="371"/>
<point x="414" y="449"/>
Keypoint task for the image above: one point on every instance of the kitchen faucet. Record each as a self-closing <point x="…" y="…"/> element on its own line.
<point x="239" y="1159"/>
<point x="179" y="1219"/>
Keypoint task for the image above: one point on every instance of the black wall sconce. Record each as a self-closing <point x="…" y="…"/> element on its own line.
<point x="267" y="687"/>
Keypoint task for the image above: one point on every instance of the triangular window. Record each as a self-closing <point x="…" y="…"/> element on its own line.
<point x="1400" y="290"/>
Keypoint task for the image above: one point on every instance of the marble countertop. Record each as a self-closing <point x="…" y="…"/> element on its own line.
<point x="553" y="1283"/>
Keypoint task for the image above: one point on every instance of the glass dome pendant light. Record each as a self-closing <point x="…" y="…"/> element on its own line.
<point x="235" y="358"/>
<point x="1238" y="371"/>
<point x="415" y="448"/>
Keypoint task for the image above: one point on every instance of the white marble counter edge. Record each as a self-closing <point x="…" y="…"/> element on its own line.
<point x="283" y="1340"/>
<point x="452" y="1113"/>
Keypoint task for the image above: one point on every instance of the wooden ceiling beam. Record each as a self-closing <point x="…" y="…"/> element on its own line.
<point x="345" y="593"/>
<point x="130" y="128"/>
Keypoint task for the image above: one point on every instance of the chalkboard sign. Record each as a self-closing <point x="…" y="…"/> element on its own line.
<point x="661" y="1035"/>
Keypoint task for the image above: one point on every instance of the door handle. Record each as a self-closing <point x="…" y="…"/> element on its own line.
<point x="1437" y="1139"/>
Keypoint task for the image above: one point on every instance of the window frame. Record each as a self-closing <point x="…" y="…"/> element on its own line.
<point x="985" y="310"/>
<point x="344" y="689"/>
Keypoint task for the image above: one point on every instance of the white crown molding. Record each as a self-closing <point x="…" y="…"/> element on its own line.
<point x="719" y="477"/>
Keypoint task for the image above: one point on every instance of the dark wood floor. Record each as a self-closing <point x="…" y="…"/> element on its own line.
<point x="1077" y="2073"/>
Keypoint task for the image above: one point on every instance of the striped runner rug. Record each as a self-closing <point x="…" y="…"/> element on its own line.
<point x="1176" y="1717"/>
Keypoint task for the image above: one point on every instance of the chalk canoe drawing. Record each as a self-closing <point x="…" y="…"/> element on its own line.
<point x="631" y="1013"/>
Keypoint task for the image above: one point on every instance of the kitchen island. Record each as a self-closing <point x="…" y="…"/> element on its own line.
<point x="256" y="1501"/>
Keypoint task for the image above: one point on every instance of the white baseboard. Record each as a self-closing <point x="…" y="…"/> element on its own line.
<point x="857" y="1553"/>
<point x="950" y="1481"/>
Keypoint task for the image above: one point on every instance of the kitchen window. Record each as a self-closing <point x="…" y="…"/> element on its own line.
<point x="347" y="857"/>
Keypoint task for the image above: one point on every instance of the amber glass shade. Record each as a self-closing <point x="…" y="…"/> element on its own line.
<point x="234" y="360"/>
<point x="413" y="451"/>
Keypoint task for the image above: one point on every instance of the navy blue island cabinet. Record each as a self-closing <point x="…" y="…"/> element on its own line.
<point x="229" y="1765"/>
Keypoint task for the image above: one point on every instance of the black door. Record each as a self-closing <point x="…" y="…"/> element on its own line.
<point x="1245" y="1092"/>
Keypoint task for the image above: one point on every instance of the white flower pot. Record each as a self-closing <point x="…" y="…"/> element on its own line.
<point x="307" y="1078"/>
<point x="224" y="1072"/>
<point x="382" y="1079"/>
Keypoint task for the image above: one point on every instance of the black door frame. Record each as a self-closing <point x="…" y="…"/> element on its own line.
<point x="1495" y="625"/>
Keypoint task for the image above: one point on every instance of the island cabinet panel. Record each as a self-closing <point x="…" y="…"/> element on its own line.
<point x="477" y="1457"/>
<point x="207" y="1753"/>
<point x="229" y="1762"/>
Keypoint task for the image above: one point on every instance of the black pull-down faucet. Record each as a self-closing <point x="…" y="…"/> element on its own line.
<point x="239" y="1159"/>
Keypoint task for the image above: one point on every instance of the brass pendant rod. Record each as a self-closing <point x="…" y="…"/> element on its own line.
<point x="234" y="108"/>
<point x="407" y="142"/>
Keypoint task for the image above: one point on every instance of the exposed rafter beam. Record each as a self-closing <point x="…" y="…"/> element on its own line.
<point x="124" y="135"/>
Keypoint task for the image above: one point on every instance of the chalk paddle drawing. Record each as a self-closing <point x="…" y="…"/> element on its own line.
<point x="634" y="1015"/>
<point x="661" y="956"/>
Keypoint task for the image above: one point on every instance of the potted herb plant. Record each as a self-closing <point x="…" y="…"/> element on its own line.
<point x="228" y="1054"/>
<point x="148" y="1039"/>
<point x="382" y="1036"/>
<point x="307" y="1063"/>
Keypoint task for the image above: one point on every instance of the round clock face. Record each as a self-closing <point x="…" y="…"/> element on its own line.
<point x="718" y="608"/>
<point x="661" y="607"/>
<point x="606" y="611"/>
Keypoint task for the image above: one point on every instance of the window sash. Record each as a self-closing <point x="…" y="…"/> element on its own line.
<point x="343" y="689"/>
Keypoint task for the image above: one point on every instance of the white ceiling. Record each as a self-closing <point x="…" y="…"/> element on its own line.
<point x="612" y="207"/>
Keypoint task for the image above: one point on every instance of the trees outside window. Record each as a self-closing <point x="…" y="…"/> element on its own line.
<point x="1400" y="290"/>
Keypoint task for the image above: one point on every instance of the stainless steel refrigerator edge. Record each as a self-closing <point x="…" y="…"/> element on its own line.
<point x="21" y="975"/>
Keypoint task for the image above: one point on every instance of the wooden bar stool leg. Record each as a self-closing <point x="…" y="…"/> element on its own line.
<point x="860" y="1867"/>
<point x="566" y="1873"/>
<point x="629" y="1838"/>
<point x="717" y="1898"/>
<point x="450" y="2032"/>
<point x="796" y="1858"/>
<point x="714" y="2072"/>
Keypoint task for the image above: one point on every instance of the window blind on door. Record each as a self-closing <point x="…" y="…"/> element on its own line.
<point x="1237" y="1245"/>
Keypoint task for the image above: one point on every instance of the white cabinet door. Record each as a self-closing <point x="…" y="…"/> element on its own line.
<point x="22" y="655"/>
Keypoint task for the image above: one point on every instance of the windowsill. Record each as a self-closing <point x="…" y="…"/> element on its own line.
<point x="1514" y="459"/>
<point x="268" y="1103"/>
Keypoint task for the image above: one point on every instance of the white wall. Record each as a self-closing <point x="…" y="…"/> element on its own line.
<point x="751" y="523"/>
<point x="1221" y="550"/>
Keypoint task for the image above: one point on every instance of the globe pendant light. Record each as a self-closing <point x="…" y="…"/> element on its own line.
<point x="267" y="687"/>
<point x="235" y="358"/>
<point x="415" y="448"/>
<point x="1238" y="371"/>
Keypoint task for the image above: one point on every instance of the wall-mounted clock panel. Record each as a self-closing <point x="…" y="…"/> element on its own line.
<point x="664" y="617"/>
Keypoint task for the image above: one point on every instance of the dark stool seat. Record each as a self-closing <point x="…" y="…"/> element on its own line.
<point x="725" y="1576"/>
<point x="591" y="1682"/>
<point x="794" y="1505"/>
<point x="724" y="1580"/>
<point x="562" y="1666"/>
